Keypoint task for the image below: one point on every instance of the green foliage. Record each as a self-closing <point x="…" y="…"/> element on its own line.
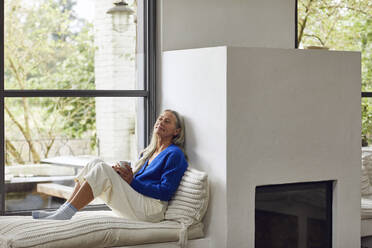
<point x="48" y="47"/>
<point x="341" y="25"/>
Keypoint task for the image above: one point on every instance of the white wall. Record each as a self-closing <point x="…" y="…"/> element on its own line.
<point x="195" y="85"/>
<point x="184" y="24"/>
<point x="257" y="116"/>
<point x="254" y="23"/>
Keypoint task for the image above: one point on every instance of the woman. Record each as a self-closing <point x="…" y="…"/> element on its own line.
<point x="141" y="194"/>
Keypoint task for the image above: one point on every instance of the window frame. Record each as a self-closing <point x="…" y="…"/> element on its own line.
<point x="148" y="93"/>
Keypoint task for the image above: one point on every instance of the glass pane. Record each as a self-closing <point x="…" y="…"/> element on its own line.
<point x="49" y="140"/>
<point x="367" y="124"/>
<point x="72" y="44"/>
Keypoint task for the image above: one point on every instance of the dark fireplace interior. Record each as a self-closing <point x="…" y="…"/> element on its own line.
<point x="295" y="215"/>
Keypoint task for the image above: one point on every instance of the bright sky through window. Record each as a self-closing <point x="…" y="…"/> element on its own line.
<point x="85" y="9"/>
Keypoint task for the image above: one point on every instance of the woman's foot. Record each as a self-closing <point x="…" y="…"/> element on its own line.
<point x="63" y="213"/>
<point x="40" y="214"/>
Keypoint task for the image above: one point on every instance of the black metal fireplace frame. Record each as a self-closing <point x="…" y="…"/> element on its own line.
<point x="327" y="185"/>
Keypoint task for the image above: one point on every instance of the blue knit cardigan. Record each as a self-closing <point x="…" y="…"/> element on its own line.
<point x="161" y="178"/>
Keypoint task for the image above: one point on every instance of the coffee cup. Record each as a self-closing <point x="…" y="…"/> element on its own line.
<point x="122" y="163"/>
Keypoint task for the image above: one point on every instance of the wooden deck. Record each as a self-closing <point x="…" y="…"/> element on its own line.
<point x="60" y="191"/>
<point x="56" y="190"/>
<point x="38" y="179"/>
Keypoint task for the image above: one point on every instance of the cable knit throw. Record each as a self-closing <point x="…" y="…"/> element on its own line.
<point x="190" y="201"/>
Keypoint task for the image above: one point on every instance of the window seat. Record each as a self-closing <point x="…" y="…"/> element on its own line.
<point x="196" y="243"/>
<point x="183" y="221"/>
<point x="91" y="229"/>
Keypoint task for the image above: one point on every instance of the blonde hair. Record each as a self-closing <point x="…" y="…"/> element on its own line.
<point x="178" y="140"/>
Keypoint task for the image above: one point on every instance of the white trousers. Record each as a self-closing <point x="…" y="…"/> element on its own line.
<point x="124" y="201"/>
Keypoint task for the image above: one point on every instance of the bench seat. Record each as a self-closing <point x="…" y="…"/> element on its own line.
<point x="196" y="243"/>
<point x="91" y="229"/>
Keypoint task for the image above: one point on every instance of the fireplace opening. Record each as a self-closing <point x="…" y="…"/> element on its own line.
<point x="295" y="215"/>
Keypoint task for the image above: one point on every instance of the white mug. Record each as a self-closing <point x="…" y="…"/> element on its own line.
<point x="122" y="163"/>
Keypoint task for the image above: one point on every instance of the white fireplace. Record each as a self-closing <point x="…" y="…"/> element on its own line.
<point x="265" y="116"/>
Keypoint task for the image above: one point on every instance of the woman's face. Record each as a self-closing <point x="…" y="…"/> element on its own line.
<point x="165" y="125"/>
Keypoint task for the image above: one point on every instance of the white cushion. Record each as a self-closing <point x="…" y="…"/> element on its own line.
<point x="367" y="153"/>
<point x="365" y="182"/>
<point x="190" y="202"/>
<point x="366" y="207"/>
<point x="87" y="230"/>
<point x="367" y="163"/>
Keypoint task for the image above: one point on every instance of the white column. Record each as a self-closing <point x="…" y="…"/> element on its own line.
<point x="115" y="69"/>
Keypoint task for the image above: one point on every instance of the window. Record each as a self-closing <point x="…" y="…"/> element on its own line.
<point x="341" y="25"/>
<point x="78" y="81"/>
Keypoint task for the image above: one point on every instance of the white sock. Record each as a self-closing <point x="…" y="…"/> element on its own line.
<point x="64" y="213"/>
<point x="40" y="214"/>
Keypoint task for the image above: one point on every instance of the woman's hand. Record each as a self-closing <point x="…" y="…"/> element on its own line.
<point x="125" y="173"/>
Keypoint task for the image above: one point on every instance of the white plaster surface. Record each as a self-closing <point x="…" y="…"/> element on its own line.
<point x="194" y="84"/>
<point x="195" y="23"/>
<point x="185" y="24"/>
<point x="258" y="116"/>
